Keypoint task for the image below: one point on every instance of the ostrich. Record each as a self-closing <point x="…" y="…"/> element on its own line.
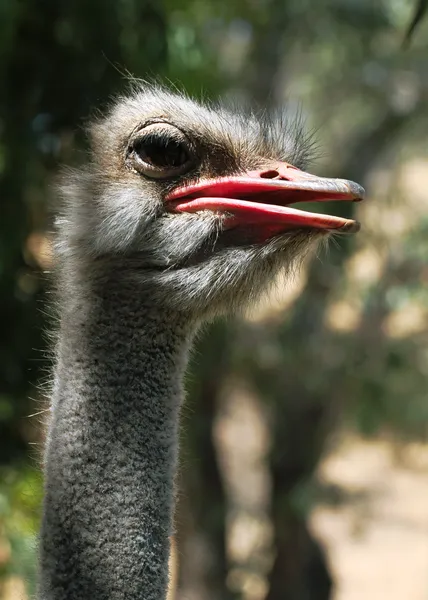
<point x="181" y="214"/>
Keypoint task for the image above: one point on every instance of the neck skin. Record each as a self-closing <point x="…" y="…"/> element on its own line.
<point x="112" y="446"/>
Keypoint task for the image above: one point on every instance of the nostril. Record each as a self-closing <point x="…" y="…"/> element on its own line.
<point x="272" y="174"/>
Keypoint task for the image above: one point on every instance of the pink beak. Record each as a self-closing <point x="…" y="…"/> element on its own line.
<point x="263" y="197"/>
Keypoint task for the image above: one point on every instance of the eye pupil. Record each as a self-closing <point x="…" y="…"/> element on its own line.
<point x="162" y="153"/>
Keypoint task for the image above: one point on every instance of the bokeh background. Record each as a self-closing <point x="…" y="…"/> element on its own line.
<point x="304" y="470"/>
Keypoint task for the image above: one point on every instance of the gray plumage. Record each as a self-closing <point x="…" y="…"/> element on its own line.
<point x="133" y="284"/>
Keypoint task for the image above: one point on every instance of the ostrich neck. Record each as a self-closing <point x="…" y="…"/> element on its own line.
<point x="111" y="447"/>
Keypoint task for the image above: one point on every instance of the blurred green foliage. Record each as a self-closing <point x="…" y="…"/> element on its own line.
<point x="20" y="498"/>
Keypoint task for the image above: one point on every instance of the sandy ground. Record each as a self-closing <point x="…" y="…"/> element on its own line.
<point x="378" y="541"/>
<point x="375" y="534"/>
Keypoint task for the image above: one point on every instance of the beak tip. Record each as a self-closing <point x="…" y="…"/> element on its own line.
<point x="357" y="191"/>
<point x="350" y="227"/>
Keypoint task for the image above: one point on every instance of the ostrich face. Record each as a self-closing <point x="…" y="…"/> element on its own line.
<point x="194" y="200"/>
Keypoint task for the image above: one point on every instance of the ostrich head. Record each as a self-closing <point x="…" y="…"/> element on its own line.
<point x="193" y="201"/>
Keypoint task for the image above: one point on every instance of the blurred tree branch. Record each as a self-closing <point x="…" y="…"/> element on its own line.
<point x="420" y="10"/>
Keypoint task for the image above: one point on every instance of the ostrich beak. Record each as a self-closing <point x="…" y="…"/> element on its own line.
<point x="264" y="196"/>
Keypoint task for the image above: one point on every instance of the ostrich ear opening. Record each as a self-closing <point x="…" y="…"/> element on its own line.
<point x="264" y="197"/>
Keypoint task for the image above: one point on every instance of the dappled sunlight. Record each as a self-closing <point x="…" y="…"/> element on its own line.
<point x="373" y="523"/>
<point x="365" y="266"/>
<point x="377" y="540"/>
<point x="411" y="319"/>
<point x="13" y="588"/>
<point x="343" y="316"/>
<point x="39" y="250"/>
<point x="242" y="439"/>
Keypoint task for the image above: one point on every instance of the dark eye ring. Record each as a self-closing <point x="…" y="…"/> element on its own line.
<point x="160" y="150"/>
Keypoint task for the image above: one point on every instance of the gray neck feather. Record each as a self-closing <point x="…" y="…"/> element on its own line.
<point x="112" y="446"/>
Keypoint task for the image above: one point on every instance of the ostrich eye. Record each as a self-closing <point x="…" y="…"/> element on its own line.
<point x="160" y="151"/>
